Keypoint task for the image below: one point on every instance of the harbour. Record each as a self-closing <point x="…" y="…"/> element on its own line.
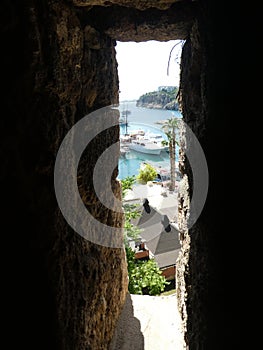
<point x="147" y="122"/>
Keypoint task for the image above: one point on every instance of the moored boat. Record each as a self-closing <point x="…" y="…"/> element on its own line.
<point x="145" y="146"/>
<point x="158" y="139"/>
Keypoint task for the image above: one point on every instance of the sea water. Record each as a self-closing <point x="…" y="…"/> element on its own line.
<point x="145" y="119"/>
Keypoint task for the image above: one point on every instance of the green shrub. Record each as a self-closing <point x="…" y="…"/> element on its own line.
<point x="131" y="211"/>
<point x="147" y="173"/>
<point x="145" y="277"/>
<point x="127" y="183"/>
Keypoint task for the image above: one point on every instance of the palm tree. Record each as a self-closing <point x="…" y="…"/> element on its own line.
<point x="169" y="129"/>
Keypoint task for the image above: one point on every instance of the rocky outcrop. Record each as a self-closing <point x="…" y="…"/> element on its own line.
<point x="159" y="100"/>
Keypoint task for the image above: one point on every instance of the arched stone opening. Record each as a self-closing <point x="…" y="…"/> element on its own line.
<point x="72" y="291"/>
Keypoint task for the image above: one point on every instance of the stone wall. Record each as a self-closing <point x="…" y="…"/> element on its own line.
<point x="142" y="5"/>
<point x="68" y="292"/>
<point x="210" y="269"/>
<point x="191" y="278"/>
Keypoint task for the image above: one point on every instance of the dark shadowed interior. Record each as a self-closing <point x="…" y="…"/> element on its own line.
<point x="59" y="64"/>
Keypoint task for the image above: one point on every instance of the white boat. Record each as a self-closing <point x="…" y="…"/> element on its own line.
<point x="145" y="146"/>
<point x="133" y="135"/>
<point x="136" y="133"/>
<point x="157" y="138"/>
<point x="125" y="139"/>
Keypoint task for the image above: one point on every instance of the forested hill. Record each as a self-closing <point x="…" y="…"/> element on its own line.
<point x="164" y="98"/>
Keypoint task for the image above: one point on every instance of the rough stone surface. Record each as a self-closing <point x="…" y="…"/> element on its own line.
<point x="192" y="259"/>
<point x="202" y="295"/>
<point x="72" y="290"/>
<point x="139" y="4"/>
<point x="125" y="24"/>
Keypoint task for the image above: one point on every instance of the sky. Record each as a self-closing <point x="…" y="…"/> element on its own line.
<point x="142" y="67"/>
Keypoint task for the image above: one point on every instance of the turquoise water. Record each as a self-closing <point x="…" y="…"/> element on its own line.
<point x="143" y="118"/>
<point x="130" y="164"/>
<point x="145" y="115"/>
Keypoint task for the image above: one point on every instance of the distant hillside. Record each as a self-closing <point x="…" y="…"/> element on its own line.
<point x="164" y="98"/>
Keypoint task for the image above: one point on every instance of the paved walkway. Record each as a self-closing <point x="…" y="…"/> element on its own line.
<point x="160" y="321"/>
<point x="149" y="323"/>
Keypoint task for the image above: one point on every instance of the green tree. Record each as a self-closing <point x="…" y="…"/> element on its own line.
<point x="131" y="231"/>
<point x="147" y="173"/>
<point x="170" y="130"/>
<point x="145" y="277"/>
<point x="127" y="183"/>
<point x="130" y="211"/>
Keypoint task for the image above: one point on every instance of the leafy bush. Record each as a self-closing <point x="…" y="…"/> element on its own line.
<point x="127" y="184"/>
<point x="145" y="277"/>
<point x="131" y="211"/>
<point x="147" y="173"/>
